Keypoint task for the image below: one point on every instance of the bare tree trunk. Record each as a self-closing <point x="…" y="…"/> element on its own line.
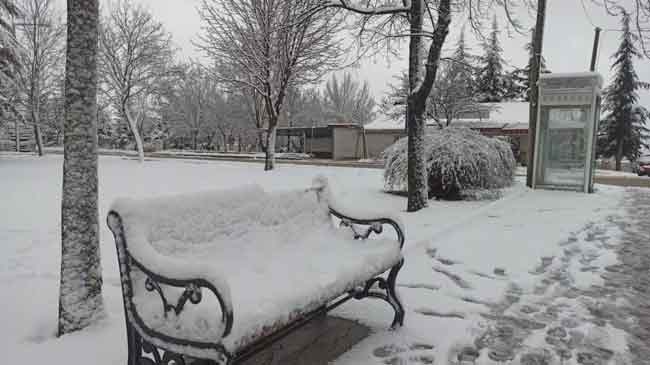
<point x="417" y="169"/>
<point x="80" y="297"/>
<point x="39" y="139"/>
<point x="619" y="153"/>
<point x="269" y="161"/>
<point x="416" y="107"/>
<point x="134" y="130"/>
<point x="17" y="133"/>
<point x="260" y="141"/>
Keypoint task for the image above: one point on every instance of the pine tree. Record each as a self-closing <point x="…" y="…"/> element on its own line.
<point x="491" y="80"/>
<point x="623" y="128"/>
<point x="519" y="79"/>
<point x="462" y="65"/>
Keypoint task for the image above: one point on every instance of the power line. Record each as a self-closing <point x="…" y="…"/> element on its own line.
<point x="591" y="21"/>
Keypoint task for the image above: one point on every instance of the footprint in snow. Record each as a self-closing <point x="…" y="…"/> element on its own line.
<point x="446" y="262"/>
<point x="419" y="286"/>
<point x="433" y="313"/>
<point x="456" y="279"/>
<point x="543" y="266"/>
<point x="398" y="355"/>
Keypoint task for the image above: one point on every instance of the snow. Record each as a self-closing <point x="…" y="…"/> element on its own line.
<point x="458" y="160"/>
<point x="491" y="246"/>
<point x="506" y="115"/>
<point x="237" y="232"/>
<point x="384" y="122"/>
<point x="565" y="75"/>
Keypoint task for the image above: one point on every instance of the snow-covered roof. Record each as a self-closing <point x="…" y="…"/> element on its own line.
<point x="385" y="122"/>
<point x="558" y="75"/>
<point x="502" y="115"/>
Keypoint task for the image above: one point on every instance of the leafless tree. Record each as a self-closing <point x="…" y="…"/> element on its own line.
<point x="9" y="51"/>
<point x="383" y="21"/>
<point x="639" y="11"/>
<point x="269" y="46"/>
<point x="193" y="104"/>
<point x="80" y="298"/>
<point x="349" y="100"/>
<point x="450" y="97"/>
<point x="136" y="55"/>
<point x="41" y="36"/>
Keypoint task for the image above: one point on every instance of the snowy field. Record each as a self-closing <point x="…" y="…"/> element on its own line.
<point x="463" y="259"/>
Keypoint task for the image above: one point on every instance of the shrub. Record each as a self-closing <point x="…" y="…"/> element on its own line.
<point x="460" y="162"/>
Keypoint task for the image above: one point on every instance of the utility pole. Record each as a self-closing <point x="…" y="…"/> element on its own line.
<point x="594" y="52"/>
<point x="538" y="40"/>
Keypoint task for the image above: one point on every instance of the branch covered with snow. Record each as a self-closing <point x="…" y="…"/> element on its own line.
<point x="459" y="161"/>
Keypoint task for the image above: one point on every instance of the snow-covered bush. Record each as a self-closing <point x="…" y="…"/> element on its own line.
<point x="460" y="162"/>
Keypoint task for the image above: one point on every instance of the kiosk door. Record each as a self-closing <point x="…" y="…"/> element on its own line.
<point x="563" y="136"/>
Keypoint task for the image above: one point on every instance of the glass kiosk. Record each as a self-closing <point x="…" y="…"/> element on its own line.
<point x="567" y="125"/>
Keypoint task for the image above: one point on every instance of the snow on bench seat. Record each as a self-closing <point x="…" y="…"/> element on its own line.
<point x="273" y="256"/>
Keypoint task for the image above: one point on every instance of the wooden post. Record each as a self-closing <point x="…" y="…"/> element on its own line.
<point x="538" y="40"/>
<point x="594" y="52"/>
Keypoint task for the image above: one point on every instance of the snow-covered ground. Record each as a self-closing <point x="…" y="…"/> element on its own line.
<point x="463" y="259"/>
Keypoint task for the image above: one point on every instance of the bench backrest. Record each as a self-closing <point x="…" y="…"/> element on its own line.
<point x="226" y="216"/>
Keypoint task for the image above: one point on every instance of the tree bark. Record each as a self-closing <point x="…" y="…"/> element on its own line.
<point x="134" y="130"/>
<point x="260" y="141"/>
<point x="416" y="107"/>
<point x="39" y="139"/>
<point x="417" y="170"/>
<point x="17" y="132"/>
<point x="619" y="153"/>
<point x="80" y="297"/>
<point x="269" y="161"/>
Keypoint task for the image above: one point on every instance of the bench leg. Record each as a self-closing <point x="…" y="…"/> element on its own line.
<point x="393" y="297"/>
<point x="386" y="292"/>
<point x="143" y="353"/>
<point x="134" y="345"/>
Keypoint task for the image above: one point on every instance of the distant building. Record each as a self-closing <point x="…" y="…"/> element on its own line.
<point x="341" y="141"/>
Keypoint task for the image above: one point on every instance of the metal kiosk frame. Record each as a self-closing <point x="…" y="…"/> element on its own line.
<point x="567" y="125"/>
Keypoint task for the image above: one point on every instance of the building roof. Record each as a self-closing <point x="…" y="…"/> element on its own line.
<point x="502" y="115"/>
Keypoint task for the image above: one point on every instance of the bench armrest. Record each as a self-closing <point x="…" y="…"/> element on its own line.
<point x="166" y="270"/>
<point x="350" y="215"/>
<point x="375" y="224"/>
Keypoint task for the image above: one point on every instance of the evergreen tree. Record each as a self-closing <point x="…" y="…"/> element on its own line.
<point x="518" y="87"/>
<point x="462" y="66"/>
<point x="491" y="80"/>
<point x="623" y="128"/>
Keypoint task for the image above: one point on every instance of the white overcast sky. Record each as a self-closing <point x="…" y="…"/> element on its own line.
<point x="567" y="41"/>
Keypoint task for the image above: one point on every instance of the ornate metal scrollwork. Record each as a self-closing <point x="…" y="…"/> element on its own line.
<point x="168" y="357"/>
<point x="378" y="287"/>
<point x="386" y="292"/>
<point x="374" y="227"/>
<point x="192" y="293"/>
<point x="142" y="352"/>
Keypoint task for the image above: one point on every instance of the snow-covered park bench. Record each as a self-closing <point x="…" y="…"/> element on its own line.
<point x="218" y="276"/>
